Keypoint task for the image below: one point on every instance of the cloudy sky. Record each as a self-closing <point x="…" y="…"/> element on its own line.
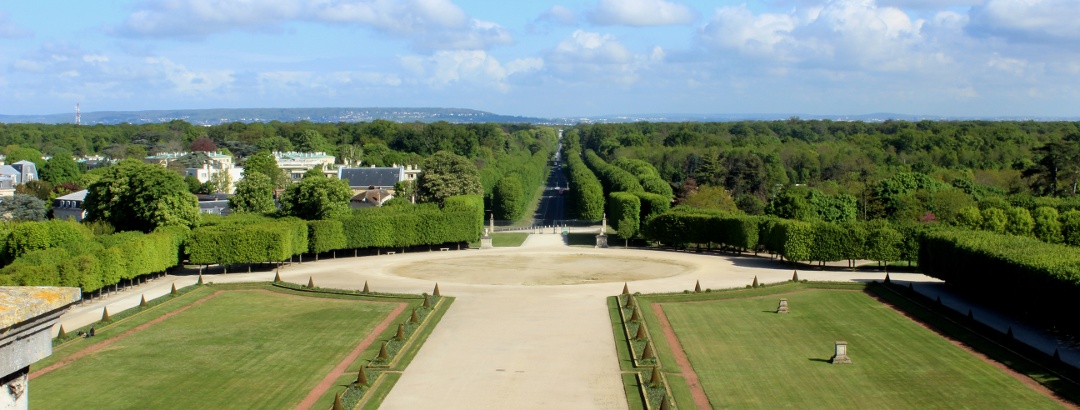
<point x="546" y="58"/>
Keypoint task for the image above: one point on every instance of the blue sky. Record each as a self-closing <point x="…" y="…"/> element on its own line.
<point x="546" y="58"/>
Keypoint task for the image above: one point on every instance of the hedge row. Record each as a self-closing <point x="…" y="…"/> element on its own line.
<point x="241" y="241"/>
<point x="625" y="213"/>
<point x="95" y="263"/>
<point x="613" y="178"/>
<point x="1021" y="274"/>
<point x="586" y="192"/>
<point x="647" y="175"/>
<point x="794" y="240"/>
<point x="515" y="191"/>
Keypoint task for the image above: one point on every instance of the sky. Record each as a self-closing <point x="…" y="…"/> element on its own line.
<point x="542" y="58"/>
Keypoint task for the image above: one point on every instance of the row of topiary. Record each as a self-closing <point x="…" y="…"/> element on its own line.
<point x="518" y="186"/>
<point x="586" y="192"/>
<point x="629" y="202"/>
<point x="793" y="240"/>
<point x="66" y="253"/>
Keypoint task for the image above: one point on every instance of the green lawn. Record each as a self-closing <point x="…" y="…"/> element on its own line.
<point x="247" y="349"/>
<point x="504" y="239"/>
<point x="747" y="356"/>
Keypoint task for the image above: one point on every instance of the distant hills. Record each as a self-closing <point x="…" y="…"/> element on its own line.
<point x="454" y="115"/>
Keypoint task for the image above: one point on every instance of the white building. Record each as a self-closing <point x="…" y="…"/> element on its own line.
<point x="295" y="164"/>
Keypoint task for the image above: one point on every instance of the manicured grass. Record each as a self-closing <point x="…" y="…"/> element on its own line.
<point x="747" y="356"/>
<point x="252" y="349"/>
<point x="510" y="239"/>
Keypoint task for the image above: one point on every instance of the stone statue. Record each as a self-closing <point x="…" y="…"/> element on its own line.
<point x="603" y="227"/>
<point x="491" y="222"/>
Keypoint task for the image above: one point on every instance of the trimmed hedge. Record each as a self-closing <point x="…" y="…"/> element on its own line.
<point x="1020" y="274"/>
<point x="325" y="236"/>
<point x="625" y="213"/>
<point x="586" y="192"/>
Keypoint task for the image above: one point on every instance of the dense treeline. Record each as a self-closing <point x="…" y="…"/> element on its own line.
<point x="66" y="253"/>
<point x="511" y="183"/>
<point x="894" y="170"/>
<point x="793" y="240"/>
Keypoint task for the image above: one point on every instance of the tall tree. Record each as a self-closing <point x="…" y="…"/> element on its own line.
<point x="316" y="197"/>
<point x="60" y="168"/>
<point x="203" y="144"/>
<point x="446" y="174"/>
<point x="136" y="196"/>
<point x="264" y="163"/>
<point x="254" y="193"/>
<point x="21" y="207"/>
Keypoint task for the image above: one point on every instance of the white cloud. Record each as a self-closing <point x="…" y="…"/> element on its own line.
<point x="590" y="57"/>
<point x="9" y="29"/>
<point x="428" y="24"/>
<point x="559" y="15"/>
<point x="186" y="81"/>
<point x="1028" y="20"/>
<point x="835" y="34"/>
<point x="641" y="13"/>
<point x="474" y="67"/>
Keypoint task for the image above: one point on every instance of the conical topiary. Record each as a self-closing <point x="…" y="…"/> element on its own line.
<point x="634" y="317"/>
<point x="655" y="381"/>
<point x="1009" y="333"/>
<point x="105" y="315"/>
<point x="277" y="277"/>
<point x="173" y="291"/>
<point x="795" y="277"/>
<point x="361" y="376"/>
<point x="647" y="352"/>
<point x="366" y="289"/>
<point x="641" y="333"/>
<point x="200" y="278"/>
<point x="939" y="299"/>
<point x="436" y="292"/>
<point x="142" y="303"/>
<point x="400" y="332"/>
<point x="971" y="315"/>
<point x="61" y="334"/>
<point x="310" y="282"/>
<point x="1057" y="356"/>
<point x="625" y="289"/>
<point x="697" y="286"/>
<point x="755" y="284"/>
<point x="383" y="355"/>
<point x="664" y="405"/>
<point x="629" y="302"/>
<point x="887" y="278"/>
<point x="337" y="403"/>
<point x="415" y="318"/>
<point x="910" y="286"/>
<point x="427" y="302"/>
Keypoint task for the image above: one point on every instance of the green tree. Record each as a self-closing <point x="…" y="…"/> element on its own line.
<point x="1020" y="221"/>
<point x="350" y="155"/>
<point x="711" y="197"/>
<point x="220" y="181"/>
<point x="61" y="168"/>
<point x="254" y="193"/>
<point x="312" y="141"/>
<point x="508" y="198"/>
<point x="133" y="195"/>
<point x="969" y="217"/>
<point x="263" y="162"/>
<point x="994" y="220"/>
<point x="1047" y="224"/>
<point x="38" y="188"/>
<point x="15" y="153"/>
<point x="446" y="174"/>
<point x="21" y="207"/>
<point x="1070" y="227"/>
<point x="316" y="197"/>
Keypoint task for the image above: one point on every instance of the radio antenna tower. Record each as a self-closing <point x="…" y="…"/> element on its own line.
<point x="78" y="115"/>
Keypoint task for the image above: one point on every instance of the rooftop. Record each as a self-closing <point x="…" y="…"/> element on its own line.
<point x="21" y="303"/>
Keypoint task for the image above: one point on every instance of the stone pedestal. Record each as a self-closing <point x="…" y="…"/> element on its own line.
<point x="601" y="241"/>
<point x="840" y="357"/>
<point x="485" y="242"/>
<point x="27" y="315"/>
<point x="783" y="308"/>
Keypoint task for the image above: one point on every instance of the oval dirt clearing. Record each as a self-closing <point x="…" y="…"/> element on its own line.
<point x="541" y="269"/>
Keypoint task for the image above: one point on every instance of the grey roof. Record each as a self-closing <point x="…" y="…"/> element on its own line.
<point x="366" y="177"/>
<point x="8" y="170"/>
<point x="74" y="196"/>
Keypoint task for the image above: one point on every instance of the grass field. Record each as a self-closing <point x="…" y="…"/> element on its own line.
<point x="249" y="349"/>
<point x="747" y="356"/>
